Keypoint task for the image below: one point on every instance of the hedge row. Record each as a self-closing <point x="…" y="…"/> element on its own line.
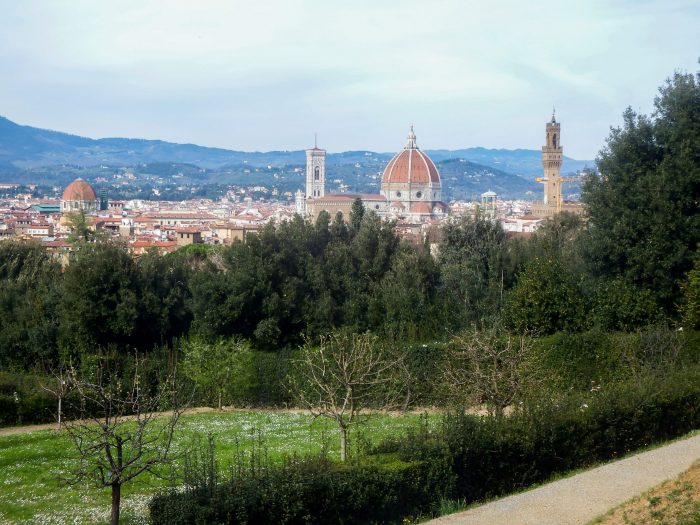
<point x="494" y="456"/>
<point x="24" y="401"/>
<point x="309" y="491"/>
<point x="468" y="457"/>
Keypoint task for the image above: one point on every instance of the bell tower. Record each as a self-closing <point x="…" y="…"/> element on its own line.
<point x="552" y="153"/>
<point x="315" y="172"/>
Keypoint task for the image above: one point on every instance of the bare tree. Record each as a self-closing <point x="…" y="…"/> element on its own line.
<point x="60" y="391"/>
<point x="485" y="367"/>
<point x="345" y="378"/>
<point x="122" y="434"/>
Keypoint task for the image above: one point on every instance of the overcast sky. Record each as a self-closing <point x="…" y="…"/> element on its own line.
<point x="261" y="75"/>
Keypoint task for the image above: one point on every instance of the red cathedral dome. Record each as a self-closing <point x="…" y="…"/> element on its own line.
<point x="79" y="190"/>
<point x="411" y="165"/>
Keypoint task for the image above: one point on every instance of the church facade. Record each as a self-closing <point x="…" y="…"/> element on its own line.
<point x="410" y="189"/>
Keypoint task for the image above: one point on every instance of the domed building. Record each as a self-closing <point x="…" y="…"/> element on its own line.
<point x="410" y="188"/>
<point x="411" y="184"/>
<point x="79" y="195"/>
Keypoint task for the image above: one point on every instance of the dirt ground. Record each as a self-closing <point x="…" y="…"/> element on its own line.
<point x="675" y="502"/>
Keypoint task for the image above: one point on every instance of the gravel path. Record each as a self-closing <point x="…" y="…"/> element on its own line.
<point x="578" y="499"/>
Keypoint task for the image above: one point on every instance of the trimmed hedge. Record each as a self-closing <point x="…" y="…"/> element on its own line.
<point x="495" y="456"/>
<point x="310" y="491"/>
<point x="23" y="401"/>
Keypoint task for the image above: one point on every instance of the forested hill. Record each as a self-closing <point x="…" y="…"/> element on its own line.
<point x="27" y="147"/>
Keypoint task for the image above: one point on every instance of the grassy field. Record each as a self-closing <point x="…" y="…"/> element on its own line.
<point x="675" y="502"/>
<point x="33" y="464"/>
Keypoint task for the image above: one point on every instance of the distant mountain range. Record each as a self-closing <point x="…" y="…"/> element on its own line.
<point x="24" y="149"/>
<point x="26" y="146"/>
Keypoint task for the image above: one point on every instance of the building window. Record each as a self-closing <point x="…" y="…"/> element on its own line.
<point x="419" y="195"/>
<point x="398" y="194"/>
<point x="554" y="140"/>
<point x="376" y="206"/>
<point x="317" y="173"/>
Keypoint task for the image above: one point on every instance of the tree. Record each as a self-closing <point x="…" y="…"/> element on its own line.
<point x="344" y="377"/>
<point x="546" y="299"/>
<point x="100" y="306"/>
<point x="357" y="213"/>
<point x="471" y="260"/>
<point x="79" y="227"/>
<point x="560" y="236"/>
<point x="617" y="305"/>
<point x="690" y="306"/>
<point x="121" y="434"/>
<point x="644" y="219"/>
<point x="30" y="285"/>
<point x="164" y="296"/>
<point x="215" y="366"/>
<point x="408" y="293"/>
<point x="485" y="367"/>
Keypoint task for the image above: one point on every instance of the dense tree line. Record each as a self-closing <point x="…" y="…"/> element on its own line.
<point x="628" y="264"/>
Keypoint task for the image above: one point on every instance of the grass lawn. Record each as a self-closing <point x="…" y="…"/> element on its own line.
<point x="32" y="464"/>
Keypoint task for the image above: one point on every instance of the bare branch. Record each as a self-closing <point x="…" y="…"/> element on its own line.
<point x="346" y="377"/>
<point x="121" y="434"/>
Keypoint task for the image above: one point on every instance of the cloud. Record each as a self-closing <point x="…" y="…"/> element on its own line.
<point x="259" y="75"/>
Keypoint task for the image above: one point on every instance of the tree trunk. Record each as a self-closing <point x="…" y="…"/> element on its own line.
<point x="116" y="500"/>
<point x="343" y="443"/>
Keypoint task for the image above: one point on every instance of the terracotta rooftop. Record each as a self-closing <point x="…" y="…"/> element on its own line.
<point x="411" y="165"/>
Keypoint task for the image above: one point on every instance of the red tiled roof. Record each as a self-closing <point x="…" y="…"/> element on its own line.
<point x="178" y="215"/>
<point x="79" y="190"/>
<point x="153" y="244"/>
<point x="421" y="207"/>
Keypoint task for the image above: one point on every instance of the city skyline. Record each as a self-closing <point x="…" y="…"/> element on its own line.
<point x="267" y="77"/>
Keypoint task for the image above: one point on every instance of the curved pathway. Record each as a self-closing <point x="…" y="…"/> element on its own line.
<point x="580" y="498"/>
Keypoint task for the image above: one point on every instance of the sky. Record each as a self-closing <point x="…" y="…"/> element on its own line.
<point x="267" y="75"/>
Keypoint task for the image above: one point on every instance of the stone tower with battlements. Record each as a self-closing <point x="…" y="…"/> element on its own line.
<point x="552" y="154"/>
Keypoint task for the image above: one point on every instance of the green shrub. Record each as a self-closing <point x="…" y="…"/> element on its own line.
<point x="309" y="491"/>
<point x="8" y="410"/>
<point x="39" y="407"/>
<point x="495" y="456"/>
<point x="577" y="361"/>
<point x="588" y="360"/>
<point x="424" y="365"/>
<point x="266" y="379"/>
<point x="546" y="298"/>
<point x="617" y="305"/>
<point x="24" y="401"/>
